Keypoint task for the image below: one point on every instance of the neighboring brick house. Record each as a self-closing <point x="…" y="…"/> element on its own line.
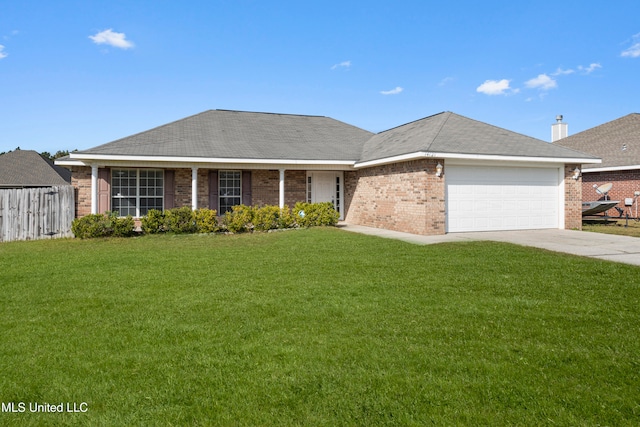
<point x="444" y="173"/>
<point x="617" y="143"/>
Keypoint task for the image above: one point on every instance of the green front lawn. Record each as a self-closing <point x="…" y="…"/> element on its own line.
<point x="316" y="327"/>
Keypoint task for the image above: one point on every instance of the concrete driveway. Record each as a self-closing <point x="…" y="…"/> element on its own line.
<point x="609" y="247"/>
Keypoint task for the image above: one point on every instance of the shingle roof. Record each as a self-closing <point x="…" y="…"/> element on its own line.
<point x="244" y="135"/>
<point x="451" y="133"/>
<point x="617" y="142"/>
<point x="26" y="168"/>
<point x="224" y="134"/>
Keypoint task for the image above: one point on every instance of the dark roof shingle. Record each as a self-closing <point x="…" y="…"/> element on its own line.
<point x="454" y="134"/>
<point x="245" y="135"/>
<point x="27" y="168"/>
<point x="616" y="142"/>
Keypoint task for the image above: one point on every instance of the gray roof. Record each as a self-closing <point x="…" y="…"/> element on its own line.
<point x="616" y="142"/>
<point x="454" y="134"/>
<point x="227" y="134"/>
<point x="244" y="135"/>
<point x="27" y="168"/>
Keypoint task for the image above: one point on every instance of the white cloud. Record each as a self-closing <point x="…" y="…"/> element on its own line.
<point x="634" y="50"/>
<point x="344" y="64"/>
<point x="495" y="87"/>
<point x="590" y="68"/>
<point x="111" y="38"/>
<point x="2" y="53"/>
<point x="446" y="81"/>
<point x="395" y="91"/>
<point x="561" y="72"/>
<point x="542" y="82"/>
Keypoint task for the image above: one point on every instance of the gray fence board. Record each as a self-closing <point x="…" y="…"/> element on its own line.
<point x="36" y="213"/>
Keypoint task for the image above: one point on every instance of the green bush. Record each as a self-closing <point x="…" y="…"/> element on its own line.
<point x="103" y="225"/>
<point x="239" y="219"/>
<point x="206" y="220"/>
<point x="153" y="222"/>
<point x="286" y="219"/>
<point x="123" y="227"/>
<point x="315" y="214"/>
<point x="266" y="218"/>
<point x="180" y="220"/>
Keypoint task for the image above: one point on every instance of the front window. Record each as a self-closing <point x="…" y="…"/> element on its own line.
<point x="136" y="191"/>
<point x="230" y="190"/>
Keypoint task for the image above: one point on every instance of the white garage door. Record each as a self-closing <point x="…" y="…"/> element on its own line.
<point x="501" y="198"/>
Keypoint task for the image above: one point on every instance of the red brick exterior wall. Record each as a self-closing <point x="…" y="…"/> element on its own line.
<point x="403" y="196"/>
<point x="81" y="181"/>
<point x="625" y="183"/>
<point x="572" y="199"/>
<point x="182" y="196"/>
<point x="264" y="188"/>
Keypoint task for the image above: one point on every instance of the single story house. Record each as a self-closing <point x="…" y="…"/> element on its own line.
<point x="617" y="143"/>
<point x="28" y="169"/>
<point x="444" y="173"/>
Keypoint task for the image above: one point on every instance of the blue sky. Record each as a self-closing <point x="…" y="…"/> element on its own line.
<point x="76" y="74"/>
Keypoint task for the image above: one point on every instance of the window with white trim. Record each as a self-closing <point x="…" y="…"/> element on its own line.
<point x="230" y="188"/>
<point x="136" y="191"/>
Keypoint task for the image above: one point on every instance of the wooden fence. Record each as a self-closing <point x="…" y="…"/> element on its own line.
<point x="36" y="213"/>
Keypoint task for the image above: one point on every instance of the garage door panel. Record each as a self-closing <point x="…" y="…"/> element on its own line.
<point x="501" y="198"/>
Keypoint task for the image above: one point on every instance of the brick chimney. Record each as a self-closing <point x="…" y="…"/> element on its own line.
<point x="559" y="130"/>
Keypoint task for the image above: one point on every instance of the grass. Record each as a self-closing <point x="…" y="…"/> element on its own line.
<point x="620" y="227"/>
<point x="316" y="327"/>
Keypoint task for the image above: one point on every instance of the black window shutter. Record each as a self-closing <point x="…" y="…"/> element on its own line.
<point x="213" y="190"/>
<point x="169" y="189"/>
<point x="246" y="188"/>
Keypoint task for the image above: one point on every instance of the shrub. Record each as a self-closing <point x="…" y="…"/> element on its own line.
<point x="315" y="214"/>
<point x="239" y="219"/>
<point x="103" y="225"/>
<point x="153" y="222"/>
<point x="206" y="220"/>
<point x="180" y="220"/>
<point x="123" y="227"/>
<point x="286" y="219"/>
<point x="266" y="218"/>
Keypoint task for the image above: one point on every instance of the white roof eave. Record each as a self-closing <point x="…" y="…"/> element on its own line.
<point x="81" y="159"/>
<point x="479" y="157"/>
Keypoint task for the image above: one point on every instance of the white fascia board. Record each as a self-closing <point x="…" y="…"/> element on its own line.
<point x="611" y="169"/>
<point x="482" y="157"/>
<point x="69" y="162"/>
<point x="78" y="159"/>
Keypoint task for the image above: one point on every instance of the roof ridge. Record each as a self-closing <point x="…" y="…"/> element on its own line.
<point x="408" y="123"/>
<point x="446" y="119"/>
<point x="271" y="113"/>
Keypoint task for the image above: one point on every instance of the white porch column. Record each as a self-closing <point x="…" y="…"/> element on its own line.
<point x="94" y="189"/>
<point x="281" y="190"/>
<point x="194" y="188"/>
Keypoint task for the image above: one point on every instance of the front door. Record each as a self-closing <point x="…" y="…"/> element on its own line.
<point x="326" y="187"/>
